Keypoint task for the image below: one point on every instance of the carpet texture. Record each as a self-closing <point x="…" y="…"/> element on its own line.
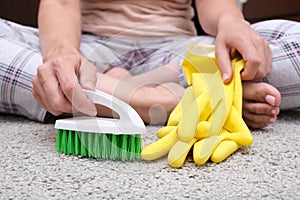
<point x="30" y="168"/>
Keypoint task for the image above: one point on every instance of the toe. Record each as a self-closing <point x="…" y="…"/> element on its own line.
<point x="256" y="118"/>
<point x="260" y="108"/>
<point x="254" y="125"/>
<point x="258" y="121"/>
<point x="261" y="92"/>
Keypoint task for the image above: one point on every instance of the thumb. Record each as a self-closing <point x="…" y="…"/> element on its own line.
<point x="224" y="61"/>
<point x="87" y="75"/>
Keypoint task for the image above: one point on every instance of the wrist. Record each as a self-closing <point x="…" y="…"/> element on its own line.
<point x="226" y="20"/>
<point x="58" y="49"/>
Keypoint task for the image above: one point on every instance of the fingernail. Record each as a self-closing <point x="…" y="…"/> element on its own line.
<point x="90" y="85"/>
<point x="270" y="99"/>
<point x="272" y="120"/>
<point x="225" y="76"/>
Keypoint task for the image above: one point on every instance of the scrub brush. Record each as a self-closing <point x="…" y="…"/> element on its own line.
<point x="104" y="138"/>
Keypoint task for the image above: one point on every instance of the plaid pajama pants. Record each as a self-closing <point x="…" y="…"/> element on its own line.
<point x="20" y="56"/>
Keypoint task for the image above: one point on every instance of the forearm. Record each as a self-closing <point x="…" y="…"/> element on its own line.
<point x="212" y="12"/>
<point x="59" y="26"/>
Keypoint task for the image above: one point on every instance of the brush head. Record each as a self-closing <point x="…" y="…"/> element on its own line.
<point x="106" y="138"/>
<point x="99" y="145"/>
<point x="103" y="138"/>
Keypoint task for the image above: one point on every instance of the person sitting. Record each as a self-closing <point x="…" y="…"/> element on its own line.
<point x="132" y="49"/>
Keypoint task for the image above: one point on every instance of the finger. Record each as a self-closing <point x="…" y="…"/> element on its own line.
<point x="36" y="89"/>
<point x="250" y="70"/>
<point x="224" y="61"/>
<point x="81" y="102"/>
<point x="39" y="100"/>
<point x="253" y="53"/>
<point x="87" y="75"/>
<point x="65" y="72"/>
<point x="47" y="87"/>
<point x="268" y="60"/>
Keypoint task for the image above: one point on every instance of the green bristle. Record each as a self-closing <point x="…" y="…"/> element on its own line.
<point x="58" y="140"/>
<point x="131" y="147"/>
<point x="83" y="147"/>
<point x="90" y="144"/>
<point x="77" y="143"/>
<point x="64" y="140"/>
<point x="114" y="154"/>
<point x="124" y="145"/>
<point x="138" y="145"/>
<point x="108" y="145"/>
<point x="70" y="145"/>
<point x="97" y="146"/>
<point x="104" y="146"/>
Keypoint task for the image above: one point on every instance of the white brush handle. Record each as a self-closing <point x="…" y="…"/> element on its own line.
<point x="126" y="113"/>
<point x="129" y="123"/>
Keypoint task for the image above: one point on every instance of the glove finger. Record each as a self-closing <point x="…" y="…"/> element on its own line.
<point x="178" y="153"/>
<point x="203" y="149"/>
<point x="204" y="106"/>
<point x="186" y="100"/>
<point x="188" y="124"/>
<point x="165" y="130"/>
<point x="199" y="85"/>
<point x="235" y="124"/>
<point x="218" y="116"/>
<point x="160" y="147"/>
<point x="239" y="138"/>
<point x="200" y="109"/>
<point x="238" y="90"/>
<point x="175" y="116"/>
<point x="223" y="150"/>
<point x="202" y="129"/>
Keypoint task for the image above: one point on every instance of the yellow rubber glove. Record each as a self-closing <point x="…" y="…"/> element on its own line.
<point x="208" y="116"/>
<point x="235" y="132"/>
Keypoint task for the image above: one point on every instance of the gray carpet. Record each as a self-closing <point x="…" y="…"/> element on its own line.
<point x="30" y="168"/>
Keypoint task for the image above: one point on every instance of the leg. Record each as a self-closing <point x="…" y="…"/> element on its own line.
<point x="18" y="63"/>
<point x="153" y="102"/>
<point x="283" y="82"/>
<point x="143" y="79"/>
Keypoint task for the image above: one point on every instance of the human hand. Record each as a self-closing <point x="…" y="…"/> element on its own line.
<point x="59" y="82"/>
<point x="237" y="35"/>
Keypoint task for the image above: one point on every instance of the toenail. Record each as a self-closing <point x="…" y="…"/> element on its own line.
<point x="272" y="120"/>
<point x="270" y="99"/>
<point x="273" y="112"/>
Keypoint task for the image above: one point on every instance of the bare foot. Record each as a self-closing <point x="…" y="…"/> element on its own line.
<point x="260" y="104"/>
<point x="154" y="104"/>
<point x="118" y="73"/>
